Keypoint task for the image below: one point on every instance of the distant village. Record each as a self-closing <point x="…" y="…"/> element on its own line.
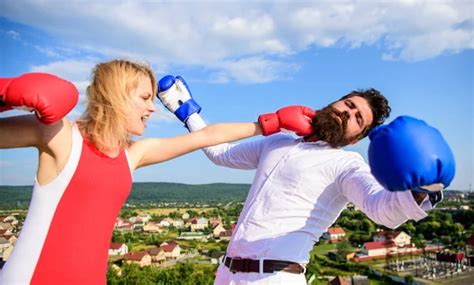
<point x="390" y="246"/>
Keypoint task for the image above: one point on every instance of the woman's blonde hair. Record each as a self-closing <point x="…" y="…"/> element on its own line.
<point x="104" y="123"/>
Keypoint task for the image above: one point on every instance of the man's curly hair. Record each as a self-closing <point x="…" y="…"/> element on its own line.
<point x="378" y="104"/>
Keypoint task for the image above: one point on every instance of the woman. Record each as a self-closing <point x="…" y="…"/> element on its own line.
<point x="84" y="174"/>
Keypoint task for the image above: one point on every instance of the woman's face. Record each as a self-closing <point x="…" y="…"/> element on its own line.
<point x="142" y="106"/>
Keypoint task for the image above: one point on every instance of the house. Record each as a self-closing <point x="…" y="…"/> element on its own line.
<point x="140" y="258"/>
<point x="233" y="226"/>
<point x="334" y="234"/>
<point x="157" y="254"/>
<point x="172" y="251"/>
<point x="5" y="232"/>
<point x="199" y="224"/>
<point x="6" y="253"/>
<point x="470" y="249"/>
<point x="351" y="206"/>
<point x="338" y="280"/>
<point x="400" y="238"/>
<point x="152" y="227"/>
<point x="166" y="222"/>
<point x="217" y="230"/>
<point x="118" y="222"/>
<point x="178" y="223"/>
<point x="169" y="242"/>
<point x="378" y="248"/>
<point x="118" y="248"/>
<point x="138" y="224"/>
<point x="185" y="216"/>
<point x="215" y="221"/>
<point x="123" y="225"/>
<point x="10" y="219"/>
<point x="144" y="217"/>
<point x="226" y="235"/>
<point x="11" y="238"/>
<point x="4" y="244"/>
<point x="5" y="226"/>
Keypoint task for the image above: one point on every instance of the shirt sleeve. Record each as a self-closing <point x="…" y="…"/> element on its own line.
<point x="388" y="208"/>
<point x="240" y="156"/>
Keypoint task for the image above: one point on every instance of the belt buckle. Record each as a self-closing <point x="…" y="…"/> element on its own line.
<point x="230" y="265"/>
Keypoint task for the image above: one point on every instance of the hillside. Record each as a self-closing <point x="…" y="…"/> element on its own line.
<point x="152" y="192"/>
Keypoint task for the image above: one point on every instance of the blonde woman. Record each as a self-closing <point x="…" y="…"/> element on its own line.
<point x="85" y="167"/>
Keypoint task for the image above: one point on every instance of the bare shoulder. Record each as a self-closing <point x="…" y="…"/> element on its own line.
<point x="58" y="137"/>
<point x="54" y="150"/>
<point x="137" y="150"/>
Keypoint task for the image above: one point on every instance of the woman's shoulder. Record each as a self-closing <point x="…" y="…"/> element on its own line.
<point x="57" y="135"/>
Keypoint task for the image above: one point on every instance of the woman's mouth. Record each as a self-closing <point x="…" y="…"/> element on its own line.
<point x="144" y="119"/>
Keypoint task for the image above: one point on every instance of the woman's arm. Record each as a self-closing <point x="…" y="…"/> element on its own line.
<point x="24" y="131"/>
<point x="150" y="151"/>
<point x="233" y="155"/>
<point x="52" y="141"/>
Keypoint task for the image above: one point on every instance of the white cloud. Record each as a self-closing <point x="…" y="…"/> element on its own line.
<point x="231" y="35"/>
<point x="76" y="71"/>
<point x="253" y="70"/>
<point x="13" y="34"/>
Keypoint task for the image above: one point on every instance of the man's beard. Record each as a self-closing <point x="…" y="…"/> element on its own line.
<point x="327" y="127"/>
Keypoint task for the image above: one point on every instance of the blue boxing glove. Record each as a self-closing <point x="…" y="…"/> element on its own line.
<point x="175" y="95"/>
<point x="408" y="154"/>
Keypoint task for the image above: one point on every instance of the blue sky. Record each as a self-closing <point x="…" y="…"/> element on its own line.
<point x="244" y="60"/>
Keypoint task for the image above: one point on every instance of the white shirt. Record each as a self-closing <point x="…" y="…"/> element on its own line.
<point x="299" y="190"/>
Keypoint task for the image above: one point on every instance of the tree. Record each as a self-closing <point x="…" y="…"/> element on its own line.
<point x="343" y="249"/>
<point x="409" y="279"/>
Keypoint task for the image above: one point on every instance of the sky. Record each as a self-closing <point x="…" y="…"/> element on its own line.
<point x="245" y="58"/>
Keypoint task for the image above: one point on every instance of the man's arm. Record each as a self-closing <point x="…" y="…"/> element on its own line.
<point x="388" y="208"/>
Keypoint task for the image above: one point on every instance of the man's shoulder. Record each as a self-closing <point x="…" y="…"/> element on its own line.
<point x="351" y="157"/>
<point x="280" y="138"/>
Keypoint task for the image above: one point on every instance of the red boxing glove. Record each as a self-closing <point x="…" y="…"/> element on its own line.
<point x="50" y="96"/>
<point x="293" y="118"/>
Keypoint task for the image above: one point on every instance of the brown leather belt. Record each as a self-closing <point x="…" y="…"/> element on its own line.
<point x="269" y="265"/>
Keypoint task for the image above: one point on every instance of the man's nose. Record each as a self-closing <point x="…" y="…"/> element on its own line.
<point x="351" y="112"/>
<point x="346" y="115"/>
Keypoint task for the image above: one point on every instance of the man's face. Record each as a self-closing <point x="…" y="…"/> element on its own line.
<point x="342" y="122"/>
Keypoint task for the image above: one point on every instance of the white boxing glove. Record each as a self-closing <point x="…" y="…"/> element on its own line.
<point x="175" y="95"/>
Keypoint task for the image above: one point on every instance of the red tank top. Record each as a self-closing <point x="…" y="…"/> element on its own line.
<point x="66" y="240"/>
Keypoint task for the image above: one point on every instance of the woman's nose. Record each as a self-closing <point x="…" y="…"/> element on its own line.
<point x="151" y="106"/>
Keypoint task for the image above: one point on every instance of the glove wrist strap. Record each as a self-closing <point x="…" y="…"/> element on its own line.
<point x="187" y="109"/>
<point x="269" y="123"/>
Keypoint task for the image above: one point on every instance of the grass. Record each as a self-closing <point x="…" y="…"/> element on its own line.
<point x="324" y="248"/>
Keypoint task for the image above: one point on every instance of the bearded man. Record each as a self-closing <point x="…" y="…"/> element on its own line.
<point x="301" y="185"/>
